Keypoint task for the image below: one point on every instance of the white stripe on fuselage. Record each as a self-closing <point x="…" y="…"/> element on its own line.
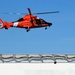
<point x="15" y="24"/>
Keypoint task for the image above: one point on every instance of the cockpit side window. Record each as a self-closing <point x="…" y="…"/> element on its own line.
<point x="38" y="21"/>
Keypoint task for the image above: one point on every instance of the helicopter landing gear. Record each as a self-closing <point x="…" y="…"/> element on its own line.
<point x="45" y="28"/>
<point x="27" y="29"/>
<point x="49" y="25"/>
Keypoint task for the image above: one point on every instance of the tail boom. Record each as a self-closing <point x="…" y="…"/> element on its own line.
<point x="5" y="25"/>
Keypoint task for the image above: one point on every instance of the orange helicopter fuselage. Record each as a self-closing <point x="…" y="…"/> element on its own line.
<point x="28" y="21"/>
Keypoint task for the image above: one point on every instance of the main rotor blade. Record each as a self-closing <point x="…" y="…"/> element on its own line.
<point x="15" y="13"/>
<point x="33" y="13"/>
<point x="46" y="13"/>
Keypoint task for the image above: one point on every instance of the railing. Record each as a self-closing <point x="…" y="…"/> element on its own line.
<point x="37" y="58"/>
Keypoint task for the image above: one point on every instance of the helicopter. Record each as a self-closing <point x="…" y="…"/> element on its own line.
<point x="27" y="22"/>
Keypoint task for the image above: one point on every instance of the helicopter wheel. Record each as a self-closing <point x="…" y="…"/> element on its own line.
<point x="46" y="28"/>
<point x="27" y="30"/>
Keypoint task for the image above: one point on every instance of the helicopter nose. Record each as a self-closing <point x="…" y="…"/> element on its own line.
<point x="49" y="24"/>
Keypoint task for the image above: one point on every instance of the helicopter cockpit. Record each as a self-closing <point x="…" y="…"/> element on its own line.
<point x="40" y="21"/>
